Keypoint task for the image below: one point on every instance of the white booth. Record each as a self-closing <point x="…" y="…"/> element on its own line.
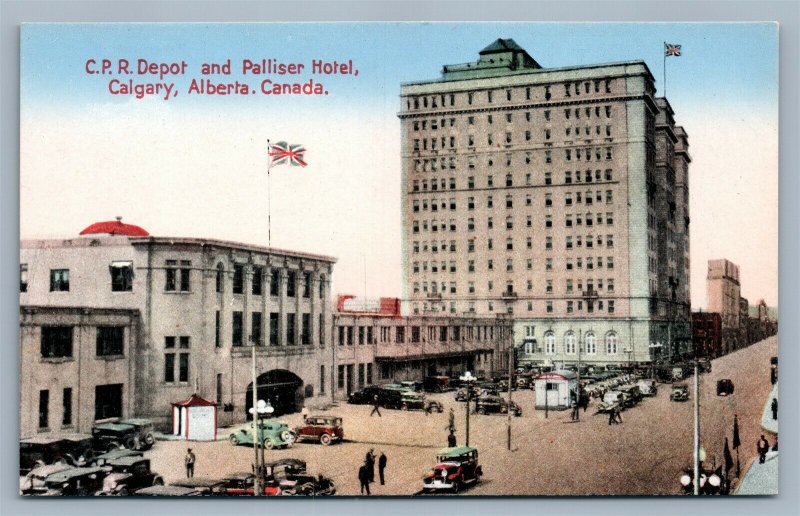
<point x="554" y="390"/>
<point x="195" y="419"/>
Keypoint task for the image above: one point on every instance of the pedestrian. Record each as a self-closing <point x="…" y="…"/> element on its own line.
<point x="370" y="462"/>
<point x="363" y="478"/>
<point x="612" y="420"/>
<point x="189" y="461"/>
<point x="304" y="412"/>
<point x="618" y="414"/>
<point x="775" y="446"/>
<point x="375" y="406"/>
<point x="451" y="440"/>
<point x="451" y="425"/>
<point x="584" y="400"/>
<point x="774" y="408"/>
<point x="381" y="466"/>
<point x="762" y="447"/>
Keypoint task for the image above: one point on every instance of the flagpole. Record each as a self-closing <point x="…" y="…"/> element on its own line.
<point x="664" y="51"/>
<point x="269" y="203"/>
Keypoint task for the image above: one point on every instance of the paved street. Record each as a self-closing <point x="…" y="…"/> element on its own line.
<point x="553" y="456"/>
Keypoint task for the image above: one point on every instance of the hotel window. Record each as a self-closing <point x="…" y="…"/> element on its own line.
<point x="509" y="244"/>
<point x="569" y="242"/>
<point x="490" y="265"/>
<point x="611" y="344"/>
<point x="529" y="221"/>
<point x="549" y="307"/>
<point x="508" y="137"/>
<point x="471" y="266"/>
<point x="237" y="329"/>
<point x="110" y="340"/>
<point x="569" y="338"/>
<point x="471" y="224"/>
<point x="591" y="344"/>
<point x="509" y="265"/>
<point x="255" y="328"/>
<point x="470" y="203"/>
<point x="489" y="244"/>
<point x="609" y="219"/>
<point x="610" y="262"/>
<point x="238" y="278"/>
<point x="550" y="343"/>
<point x="589" y="241"/>
<point x="527" y="135"/>
<point x="570" y="307"/>
<point x="548" y="264"/>
<point x="183" y="367"/>
<point x="608" y="111"/>
<point x="548" y="243"/>
<point x="509" y="223"/>
<point x="548" y="156"/>
<point x="611" y="306"/>
<point x="548" y="221"/>
<point x="56" y="341"/>
<point x="608" y="174"/>
<point x="256" y="286"/>
<point x="121" y="276"/>
<point x="529" y="243"/>
<point x="548" y="200"/>
<point x="66" y="419"/>
<point x="471" y="246"/>
<point x="509" y="199"/>
<point x="59" y="280"/>
<point x="568" y="154"/>
<point x="291" y="329"/>
<point x="489" y="95"/>
<point x="489" y="202"/>
<point x="44" y="408"/>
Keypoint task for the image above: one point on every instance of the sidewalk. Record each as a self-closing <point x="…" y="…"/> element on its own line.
<point x="762" y="479"/>
<point x="767" y="423"/>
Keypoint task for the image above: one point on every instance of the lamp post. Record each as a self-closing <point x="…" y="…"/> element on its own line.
<point x="256" y="436"/>
<point x="263" y="408"/>
<point x="467" y="378"/>
<point x="654" y="346"/>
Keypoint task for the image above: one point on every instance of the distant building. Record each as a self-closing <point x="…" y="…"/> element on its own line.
<point x="557" y="196"/>
<point x="723" y="293"/>
<point x="378" y="347"/>
<point x="707" y="333"/>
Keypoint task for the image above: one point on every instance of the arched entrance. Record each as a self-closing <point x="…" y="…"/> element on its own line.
<point x="283" y="389"/>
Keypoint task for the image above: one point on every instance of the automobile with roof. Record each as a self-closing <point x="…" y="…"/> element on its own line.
<point x="133" y="434"/>
<point x="239" y="484"/>
<point x="104" y="458"/>
<point x="396" y="387"/>
<point x="680" y="392"/>
<point x="455" y="468"/>
<point x="725" y="387"/>
<point x="496" y="405"/>
<point x="288" y="477"/>
<point x="412" y="385"/>
<point x="611" y="400"/>
<point x="325" y="429"/>
<point x="524" y="381"/>
<point x="75" y="482"/>
<point x="127" y="475"/>
<point x="170" y="490"/>
<point x="418" y="401"/>
<point x="272" y="433"/>
<point x="648" y="387"/>
<point x="436" y="383"/>
<point x="632" y="395"/>
<point x="202" y="486"/>
<point x="389" y="398"/>
<point x="44" y="449"/>
<point x="35" y="481"/>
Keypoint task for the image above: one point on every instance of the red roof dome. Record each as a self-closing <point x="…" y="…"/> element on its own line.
<point x="115" y="227"/>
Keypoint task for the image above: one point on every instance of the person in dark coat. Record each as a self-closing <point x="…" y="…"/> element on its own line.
<point x="363" y="478"/>
<point x="451" y="440"/>
<point x="774" y="408"/>
<point x="189" y="461"/>
<point x="370" y="463"/>
<point x="762" y="447"/>
<point x="381" y="466"/>
<point x="451" y="425"/>
<point x="375" y="406"/>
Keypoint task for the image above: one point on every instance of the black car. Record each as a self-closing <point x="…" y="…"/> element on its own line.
<point x="132" y="434"/>
<point x="128" y="474"/>
<point x="386" y="397"/>
<point x="724" y="387"/>
<point x="41" y="450"/>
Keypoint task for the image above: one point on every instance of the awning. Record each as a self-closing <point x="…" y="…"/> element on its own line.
<point x="430" y="356"/>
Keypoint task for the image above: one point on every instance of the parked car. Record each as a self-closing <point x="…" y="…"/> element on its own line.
<point x="172" y="490"/>
<point x="103" y="459"/>
<point x="724" y="387"/>
<point x="436" y="383"/>
<point x="135" y="434"/>
<point x="41" y="450"/>
<point x="127" y="475"/>
<point x="611" y="400"/>
<point x="325" y="429"/>
<point x="524" y="381"/>
<point x="631" y="395"/>
<point x="75" y="482"/>
<point x="680" y="392"/>
<point x="412" y="385"/>
<point x="395" y="387"/>
<point x="288" y="477"/>
<point x="272" y="433"/>
<point x="704" y="365"/>
<point x="496" y="405"/>
<point x="389" y="398"/>
<point x="35" y="481"/>
<point x="455" y="468"/>
<point x="239" y="484"/>
<point x="648" y="387"/>
<point x="413" y="401"/>
<point x="461" y="394"/>
<point x="201" y="486"/>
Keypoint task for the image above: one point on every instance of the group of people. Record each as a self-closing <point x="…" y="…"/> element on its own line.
<point x="366" y="473"/>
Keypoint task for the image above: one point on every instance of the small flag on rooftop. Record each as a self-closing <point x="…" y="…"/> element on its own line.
<point x="671" y="50"/>
<point x="283" y="153"/>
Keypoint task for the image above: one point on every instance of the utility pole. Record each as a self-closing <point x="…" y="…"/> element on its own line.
<point x="696" y="430"/>
<point x="256" y="436"/>
<point x="510" y="381"/>
<point x="578" y="395"/>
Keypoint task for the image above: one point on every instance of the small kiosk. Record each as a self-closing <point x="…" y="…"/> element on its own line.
<point x="554" y="389"/>
<point x="195" y="419"/>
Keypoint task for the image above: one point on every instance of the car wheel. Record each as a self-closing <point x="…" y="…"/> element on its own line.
<point x="481" y="411"/>
<point x="268" y="444"/>
<point x="114" y="446"/>
<point x="233" y="439"/>
<point x="456" y="486"/>
<point x="149" y="440"/>
<point x="158" y="481"/>
<point x="325" y="439"/>
<point x="130" y="443"/>
<point x="286" y="436"/>
<point x="405" y="406"/>
<point x="123" y="492"/>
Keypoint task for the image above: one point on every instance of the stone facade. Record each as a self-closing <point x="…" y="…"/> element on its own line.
<point x="556" y="195"/>
<point x="723" y="296"/>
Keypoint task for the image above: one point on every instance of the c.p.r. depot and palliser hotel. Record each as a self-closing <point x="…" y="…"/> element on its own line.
<point x="556" y="198"/>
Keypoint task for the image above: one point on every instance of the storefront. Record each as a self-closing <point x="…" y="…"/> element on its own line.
<point x="554" y="390"/>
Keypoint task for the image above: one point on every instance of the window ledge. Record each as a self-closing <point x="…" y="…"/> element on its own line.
<point x="57" y="360"/>
<point x="178" y="292"/>
<point x="110" y="358"/>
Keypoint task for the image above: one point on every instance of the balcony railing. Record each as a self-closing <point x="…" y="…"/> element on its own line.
<point x="509" y="294"/>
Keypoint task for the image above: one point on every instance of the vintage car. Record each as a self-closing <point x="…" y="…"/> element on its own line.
<point x="648" y="387"/>
<point x="238" y="484"/>
<point x="436" y="383"/>
<point x="461" y="394"/>
<point x="724" y="387"/>
<point x="680" y="392"/>
<point x="288" y="477"/>
<point x="104" y="458"/>
<point x="389" y="398"/>
<point x="455" y="468"/>
<point x="41" y="450"/>
<point x="133" y="434"/>
<point x="75" y="482"/>
<point x="395" y="387"/>
<point x="35" y="481"/>
<point x="704" y="365"/>
<point x="271" y="433"/>
<point x="524" y="381"/>
<point x="127" y="475"/>
<point x="496" y="405"/>
<point x="611" y="400"/>
<point x="412" y="386"/>
<point x="322" y="428"/>
<point x="417" y="401"/>
<point x="201" y="486"/>
<point x="631" y="395"/>
<point x="171" y="490"/>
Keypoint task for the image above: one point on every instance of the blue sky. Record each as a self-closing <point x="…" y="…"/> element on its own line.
<point x="194" y="165"/>
<point x="721" y="63"/>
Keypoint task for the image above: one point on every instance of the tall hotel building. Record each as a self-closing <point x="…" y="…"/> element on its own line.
<point x="557" y="195"/>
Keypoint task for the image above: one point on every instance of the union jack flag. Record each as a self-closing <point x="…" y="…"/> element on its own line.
<point x="672" y="50"/>
<point x="284" y="154"/>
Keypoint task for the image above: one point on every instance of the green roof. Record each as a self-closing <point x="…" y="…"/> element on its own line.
<point x="63" y="476"/>
<point x="501" y="45"/>
<point x="117" y="427"/>
<point x="457" y="451"/>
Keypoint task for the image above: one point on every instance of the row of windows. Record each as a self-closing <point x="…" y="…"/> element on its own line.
<point x="349" y="335"/>
<point x="436" y="247"/>
<point x="570" y="264"/>
<point x="436" y="226"/>
<point x="292" y="334"/>
<point x="257" y="276"/>
<point x="346" y="371"/>
<point x="589" y="199"/>
<point x="453" y="307"/>
<point x="570" y="89"/>
<point x="56" y="341"/>
<point x="107" y="404"/>
<point x="570" y="344"/>
<point x="435" y="123"/>
<point x="443" y="184"/>
<point x="569" y="286"/>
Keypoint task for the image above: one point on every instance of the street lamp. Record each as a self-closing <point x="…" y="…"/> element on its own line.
<point x="262" y="408"/>
<point x="468" y="379"/>
<point x="654" y="346"/>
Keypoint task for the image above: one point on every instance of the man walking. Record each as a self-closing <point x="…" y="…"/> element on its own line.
<point x="363" y="478"/>
<point x="612" y="420"/>
<point x="574" y="401"/>
<point x="774" y="408"/>
<point x="375" y="406"/>
<point x="189" y="461"/>
<point x="451" y="425"/>
<point x="618" y="413"/>
<point x="762" y="447"/>
<point x="381" y="466"/>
